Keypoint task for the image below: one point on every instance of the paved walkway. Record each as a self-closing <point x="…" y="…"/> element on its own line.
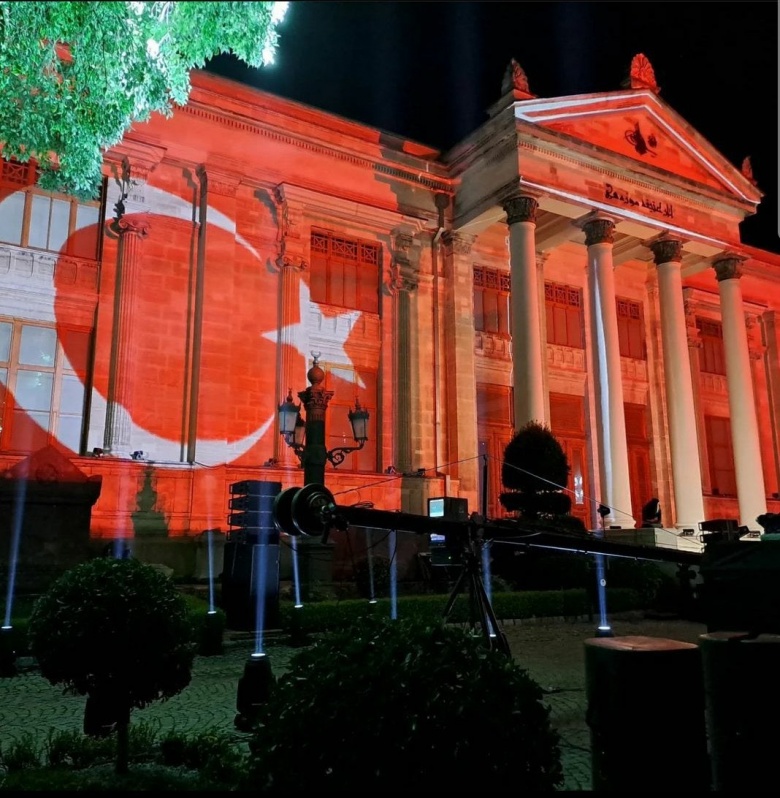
<point x="552" y="651"/>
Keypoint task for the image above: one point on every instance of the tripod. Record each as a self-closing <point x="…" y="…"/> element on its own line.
<point x="481" y="609"/>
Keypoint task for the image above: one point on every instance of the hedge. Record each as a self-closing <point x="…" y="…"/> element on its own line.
<point x="324" y="615"/>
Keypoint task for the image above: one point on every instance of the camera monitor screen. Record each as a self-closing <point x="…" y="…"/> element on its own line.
<point x="436" y="508"/>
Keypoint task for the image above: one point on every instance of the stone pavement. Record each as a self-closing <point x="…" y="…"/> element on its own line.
<point x="551" y="650"/>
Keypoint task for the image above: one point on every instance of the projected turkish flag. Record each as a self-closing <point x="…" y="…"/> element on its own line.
<point x="227" y="365"/>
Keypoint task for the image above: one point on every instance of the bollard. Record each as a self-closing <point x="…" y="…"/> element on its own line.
<point x="742" y="699"/>
<point x="646" y="715"/>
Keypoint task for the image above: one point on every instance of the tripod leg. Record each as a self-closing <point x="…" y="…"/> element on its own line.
<point x="454" y="594"/>
<point x="496" y="639"/>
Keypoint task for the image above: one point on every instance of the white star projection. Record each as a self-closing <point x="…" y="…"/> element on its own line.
<point x="297" y="335"/>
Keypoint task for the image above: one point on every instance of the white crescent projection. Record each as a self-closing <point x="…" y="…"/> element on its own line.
<point x="209" y="452"/>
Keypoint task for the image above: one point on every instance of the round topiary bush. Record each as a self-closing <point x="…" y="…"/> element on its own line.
<point x="118" y="632"/>
<point x="393" y="706"/>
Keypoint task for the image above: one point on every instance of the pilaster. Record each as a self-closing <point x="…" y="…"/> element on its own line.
<point x="460" y="364"/>
<point x="404" y="284"/>
<point x="132" y="231"/>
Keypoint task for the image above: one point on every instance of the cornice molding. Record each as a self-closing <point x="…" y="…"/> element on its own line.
<point x="143" y="157"/>
<point x="440" y="184"/>
<point x="339" y="208"/>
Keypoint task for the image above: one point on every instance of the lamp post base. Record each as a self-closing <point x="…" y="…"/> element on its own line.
<point x="254" y="690"/>
<point x="7" y="653"/>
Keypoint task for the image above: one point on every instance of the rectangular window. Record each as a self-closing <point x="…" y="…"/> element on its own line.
<point x="721" y="455"/>
<point x="491" y="301"/>
<point x="41" y="397"/>
<point x="713" y="359"/>
<point x="630" y="329"/>
<point x="344" y="272"/>
<point x="348" y="385"/>
<point x="565" y="320"/>
<point x="42" y="220"/>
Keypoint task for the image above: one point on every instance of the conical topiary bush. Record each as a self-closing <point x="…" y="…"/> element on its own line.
<point x="535" y="470"/>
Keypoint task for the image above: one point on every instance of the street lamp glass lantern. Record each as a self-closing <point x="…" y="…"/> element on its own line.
<point x="358" y="418"/>
<point x="289" y="413"/>
<point x="299" y="434"/>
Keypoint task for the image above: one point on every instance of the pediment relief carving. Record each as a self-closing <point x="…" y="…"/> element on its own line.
<point x="642" y="128"/>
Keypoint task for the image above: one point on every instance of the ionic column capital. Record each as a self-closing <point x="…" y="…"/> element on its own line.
<point x="521" y="208"/>
<point x="728" y="266"/>
<point x="135" y="224"/>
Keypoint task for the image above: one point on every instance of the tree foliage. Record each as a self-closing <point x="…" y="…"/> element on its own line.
<point x="74" y="76"/>
<point x="114" y="626"/>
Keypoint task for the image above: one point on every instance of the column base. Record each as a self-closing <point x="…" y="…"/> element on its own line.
<point x="119" y="454"/>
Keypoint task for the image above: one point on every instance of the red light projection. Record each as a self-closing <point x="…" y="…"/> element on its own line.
<point x="236" y="391"/>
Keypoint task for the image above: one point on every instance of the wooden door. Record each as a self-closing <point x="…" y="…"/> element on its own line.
<point x="639" y="472"/>
<point x="494" y="421"/>
<point x="567" y="423"/>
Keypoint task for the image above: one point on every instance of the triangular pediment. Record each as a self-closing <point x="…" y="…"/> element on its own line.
<point x="638" y="125"/>
<point x="47" y="464"/>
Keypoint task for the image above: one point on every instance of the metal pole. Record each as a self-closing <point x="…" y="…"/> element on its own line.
<point x="484" y="486"/>
<point x="315" y="401"/>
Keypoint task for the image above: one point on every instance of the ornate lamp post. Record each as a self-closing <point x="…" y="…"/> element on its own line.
<point x="307" y="439"/>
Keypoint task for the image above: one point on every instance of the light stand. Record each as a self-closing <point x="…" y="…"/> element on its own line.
<point x="7" y="653"/>
<point x="254" y="690"/>
<point x="603" y="629"/>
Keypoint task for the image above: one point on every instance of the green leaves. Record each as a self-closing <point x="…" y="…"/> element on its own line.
<point x="107" y="623"/>
<point x="75" y="76"/>
<point x="380" y="705"/>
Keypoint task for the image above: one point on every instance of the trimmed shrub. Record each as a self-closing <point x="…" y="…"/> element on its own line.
<point x="535" y="470"/>
<point x="118" y="632"/>
<point x="389" y="706"/>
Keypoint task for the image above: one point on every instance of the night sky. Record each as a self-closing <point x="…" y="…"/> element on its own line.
<point x="429" y="71"/>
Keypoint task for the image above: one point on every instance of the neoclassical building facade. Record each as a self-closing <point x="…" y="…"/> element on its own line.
<point x="575" y="261"/>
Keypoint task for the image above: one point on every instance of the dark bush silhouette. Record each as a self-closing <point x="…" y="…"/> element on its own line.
<point x="397" y="706"/>
<point x="535" y="469"/>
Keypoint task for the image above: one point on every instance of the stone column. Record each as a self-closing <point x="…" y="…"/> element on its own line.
<point x="610" y="411"/>
<point x="527" y="355"/>
<point x="686" y="469"/>
<point x="207" y="427"/>
<point x="460" y="365"/>
<point x="132" y="230"/>
<point x="742" y="405"/>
